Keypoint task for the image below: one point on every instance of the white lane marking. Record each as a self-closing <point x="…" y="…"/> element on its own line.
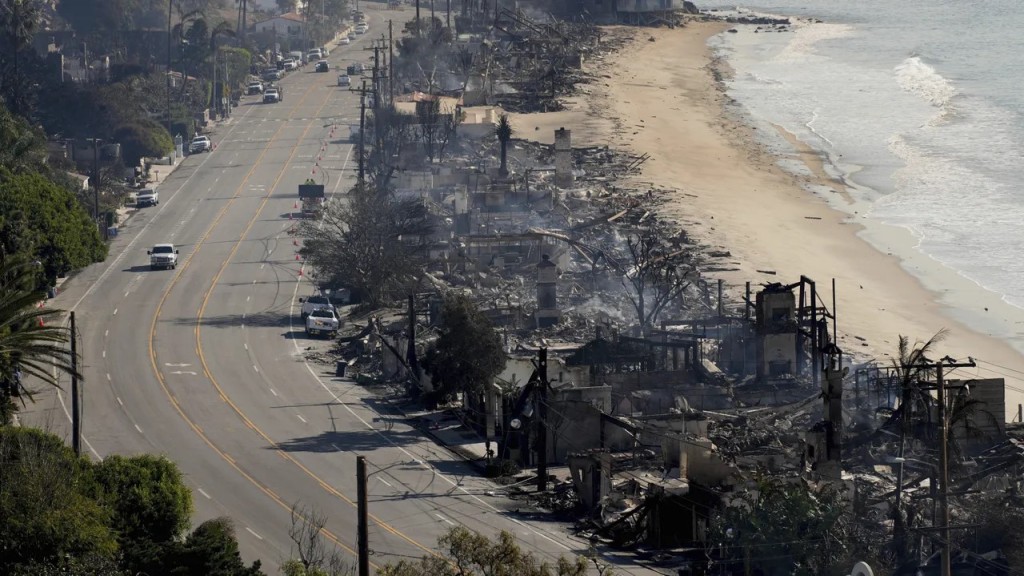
<point x="115" y="311"/>
<point x="245" y="345"/>
<point x="172" y="365"/>
<point x="106" y="333"/>
<point x="243" y="315"/>
<point x="385" y="481"/>
<point x="335" y="446"/>
<point x="274" y="392"/>
<point x="126" y="294"/>
<point x="250" y="531"/>
<point x="108" y="377"/>
<point x="254" y="367"/>
<point x="443" y="519"/>
<point x="113" y="266"/>
<point x="261" y="268"/>
<point x="139" y="429"/>
<point x="247" y="298"/>
<point x="104" y="353"/>
<point x="203" y="492"/>
<point x="301" y="418"/>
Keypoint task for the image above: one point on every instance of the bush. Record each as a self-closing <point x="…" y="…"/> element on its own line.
<point x="143" y="138"/>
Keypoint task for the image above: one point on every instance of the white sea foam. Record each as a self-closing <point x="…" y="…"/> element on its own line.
<point x="920" y="79"/>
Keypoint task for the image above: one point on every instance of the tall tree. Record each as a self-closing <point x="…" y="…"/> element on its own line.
<point x="63" y="235"/>
<point x="658" y="276"/>
<point x="468" y="355"/>
<point x="780" y="528"/>
<point x="18" y="21"/>
<point x="374" y="244"/>
<point x="47" y="517"/>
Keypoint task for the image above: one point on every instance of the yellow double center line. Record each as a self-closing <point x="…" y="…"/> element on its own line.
<point x="160" y="377"/>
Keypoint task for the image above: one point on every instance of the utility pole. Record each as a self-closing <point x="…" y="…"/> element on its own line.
<point x="943" y="468"/>
<point x="417" y="18"/>
<point x="391" y="63"/>
<point x="76" y="410"/>
<point x="542" y="422"/>
<point x="362" y="132"/>
<point x="170" y="5"/>
<point x="363" y="527"/>
<point x="96" y="186"/>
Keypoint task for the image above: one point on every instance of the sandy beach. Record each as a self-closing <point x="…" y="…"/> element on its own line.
<point x="659" y="96"/>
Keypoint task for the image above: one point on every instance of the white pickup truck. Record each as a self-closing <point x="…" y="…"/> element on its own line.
<point x="163" y="256"/>
<point x="323" y="322"/>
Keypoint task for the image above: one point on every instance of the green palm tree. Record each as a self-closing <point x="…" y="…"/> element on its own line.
<point x="503" y="132"/>
<point x="30" y="343"/>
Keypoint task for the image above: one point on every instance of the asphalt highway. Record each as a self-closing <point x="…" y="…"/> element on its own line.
<point x="206" y="363"/>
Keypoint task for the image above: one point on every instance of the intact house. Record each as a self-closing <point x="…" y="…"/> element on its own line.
<point x="289" y="26"/>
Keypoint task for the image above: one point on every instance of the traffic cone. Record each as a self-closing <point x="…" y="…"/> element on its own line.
<point x="295" y="206"/>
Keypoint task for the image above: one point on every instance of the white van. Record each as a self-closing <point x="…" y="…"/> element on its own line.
<point x="314" y="54"/>
<point x="298" y="56"/>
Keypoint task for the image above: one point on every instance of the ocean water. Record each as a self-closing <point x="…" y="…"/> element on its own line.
<point x="918" y="105"/>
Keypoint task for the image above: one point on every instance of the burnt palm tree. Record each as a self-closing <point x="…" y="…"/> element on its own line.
<point x="503" y="132"/>
<point x="30" y="343"/>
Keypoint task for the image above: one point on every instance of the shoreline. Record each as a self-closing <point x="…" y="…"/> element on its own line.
<point x="730" y="193"/>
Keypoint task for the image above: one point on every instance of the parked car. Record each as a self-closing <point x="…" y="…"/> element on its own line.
<point x="345" y="40"/>
<point x="314" y="55"/>
<point x="351" y="37"/>
<point x="271" y="96"/>
<point x="322" y="66"/>
<point x="289" y="64"/>
<point x="254" y="88"/>
<point x="344" y="80"/>
<point x="271" y="75"/>
<point x="147" y="197"/>
<point x="200" y="144"/>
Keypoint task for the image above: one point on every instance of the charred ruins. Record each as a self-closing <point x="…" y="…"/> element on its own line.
<point x="646" y="392"/>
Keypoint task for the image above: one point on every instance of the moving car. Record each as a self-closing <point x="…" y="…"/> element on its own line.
<point x="163" y="256"/>
<point x="254" y="88"/>
<point x="200" y="144"/>
<point x="344" y="80"/>
<point x="271" y="96"/>
<point x="322" y="66"/>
